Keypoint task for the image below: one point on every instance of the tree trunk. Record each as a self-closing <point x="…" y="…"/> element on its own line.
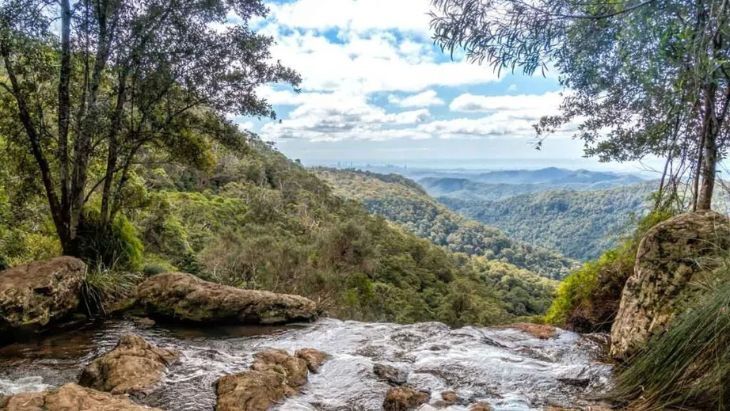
<point x="57" y="212"/>
<point x="64" y="104"/>
<point x="709" y="169"/>
<point x="708" y="160"/>
<point x="113" y="155"/>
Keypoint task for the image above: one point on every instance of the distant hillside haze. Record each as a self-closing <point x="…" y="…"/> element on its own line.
<point x="496" y="185"/>
<point x="554" y="175"/>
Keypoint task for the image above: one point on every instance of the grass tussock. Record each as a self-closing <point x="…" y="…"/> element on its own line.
<point x="688" y="367"/>
<point x="103" y="288"/>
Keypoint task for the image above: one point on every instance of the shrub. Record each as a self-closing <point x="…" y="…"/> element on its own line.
<point x="117" y="246"/>
<point x="587" y="300"/>
<point x="103" y="287"/>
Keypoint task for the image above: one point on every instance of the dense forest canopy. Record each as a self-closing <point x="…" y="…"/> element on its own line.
<point x="645" y="76"/>
<point x="404" y="202"/>
<point x="581" y="224"/>
<point x="88" y="87"/>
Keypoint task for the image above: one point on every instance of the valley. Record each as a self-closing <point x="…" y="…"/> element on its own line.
<point x="577" y="214"/>
<point x="363" y="205"/>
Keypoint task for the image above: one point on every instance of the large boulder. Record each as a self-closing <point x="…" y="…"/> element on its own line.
<point x="70" y="397"/>
<point x="274" y="375"/>
<point x="34" y="295"/>
<point x="181" y="296"/>
<point x="133" y="367"/>
<point x="671" y="258"/>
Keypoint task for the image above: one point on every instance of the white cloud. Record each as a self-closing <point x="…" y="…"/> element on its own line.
<point x="372" y="63"/>
<point x="425" y="99"/>
<point x="356" y="15"/>
<point x="547" y="103"/>
<point x="340" y="116"/>
<point x="349" y="52"/>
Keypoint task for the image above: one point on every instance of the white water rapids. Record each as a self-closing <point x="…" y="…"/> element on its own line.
<point x="507" y="368"/>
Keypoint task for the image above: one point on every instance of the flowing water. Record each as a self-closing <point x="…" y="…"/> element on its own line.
<point x="509" y="369"/>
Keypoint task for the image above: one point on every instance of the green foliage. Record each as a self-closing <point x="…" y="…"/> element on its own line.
<point x="89" y="90"/>
<point x="260" y="221"/>
<point x="118" y="246"/>
<point x="579" y="224"/>
<point x="642" y="81"/>
<point x="688" y="366"/>
<point x="402" y="201"/>
<point x="587" y="300"/>
<point x="523" y="292"/>
<point x="103" y="287"/>
<point x="257" y="220"/>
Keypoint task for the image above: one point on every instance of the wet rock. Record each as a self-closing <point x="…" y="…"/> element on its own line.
<point x="35" y="295"/>
<point x="274" y="375"/>
<point x="541" y="331"/>
<point x="133" y="367"/>
<point x="594" y="407"/>
<point x="313" y="358"/>
<point x="404" y="398"/>
<point x="449" y="397"/>
<point x="670" y="256"/>
<point x="70" y="397"/>
<point x="250" y="391"/>
<point x="181" y="296"/>
<point x="144" y="322"/>
<point x="576" y="382"/>
<point x="279" y="361"/>
<point x="481" y="406"/>
<point x="391" y="374"/>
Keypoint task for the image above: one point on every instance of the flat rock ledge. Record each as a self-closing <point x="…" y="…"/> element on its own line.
<point x="133" y="367"/>
<point x="184" y="297"/>
<point x="70" y="397"/>
<point x="274" y="375"/>
<point x="34" y="295"/>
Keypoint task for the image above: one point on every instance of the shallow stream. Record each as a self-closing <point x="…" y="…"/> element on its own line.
<point x="508" y="368"/>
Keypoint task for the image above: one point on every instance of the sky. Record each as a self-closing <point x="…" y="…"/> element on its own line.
<point x="376" y="89"/>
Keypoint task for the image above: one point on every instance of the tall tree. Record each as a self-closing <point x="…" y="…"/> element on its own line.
<point x="97" y="82"/>
<point x="646" y="76"/>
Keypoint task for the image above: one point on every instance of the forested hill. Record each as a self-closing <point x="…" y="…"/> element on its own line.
<point x="579" y="224"/>
<point x="499" y="185"/>
<point x="255" y="219"/>
<point x="402" y="201"/>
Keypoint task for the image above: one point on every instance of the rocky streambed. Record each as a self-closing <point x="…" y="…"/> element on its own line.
<point x="507" y="368"/>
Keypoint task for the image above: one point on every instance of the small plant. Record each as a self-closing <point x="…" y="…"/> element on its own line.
<point x="116" y="246"/>
<point x="687" y="367"/>
<point x="103" y="286"/>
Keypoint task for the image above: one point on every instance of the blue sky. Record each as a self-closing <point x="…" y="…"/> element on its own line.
<point x="376" y="89"/>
